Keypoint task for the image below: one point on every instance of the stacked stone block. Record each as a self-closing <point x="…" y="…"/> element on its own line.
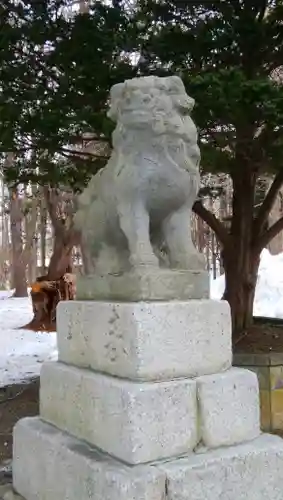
<point x="143" y="404"/>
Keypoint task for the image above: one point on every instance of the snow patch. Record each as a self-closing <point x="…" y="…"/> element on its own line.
<point x="269" y="289"/>
<point x="22" y="352"/>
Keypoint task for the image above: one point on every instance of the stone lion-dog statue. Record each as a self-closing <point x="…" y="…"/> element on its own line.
<point x="137" y="210"/>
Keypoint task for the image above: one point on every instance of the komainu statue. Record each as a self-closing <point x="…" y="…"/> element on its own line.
<point x="136" y="211"/>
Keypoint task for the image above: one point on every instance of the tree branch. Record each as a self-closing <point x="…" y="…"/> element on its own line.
<point x="215" y="224"/>
<point x="262" y="10"/>
<point x="73" y="152"/>
<point x="267" y="204"/>
<point x="269" y="234"/>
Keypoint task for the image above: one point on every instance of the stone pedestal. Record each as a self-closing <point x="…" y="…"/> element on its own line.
<point x="52" y="465"/>
<point x="143" y="404"/>
<point x="135" y="422"/>
<point x="145" y="284"/>
<point x="146" y="340"/>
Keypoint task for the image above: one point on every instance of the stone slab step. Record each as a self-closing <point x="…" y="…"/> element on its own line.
<point x="250" y="471"/>
<point x="51" y="465"/>
<point x="135" y="422"/>
<point x="228" y="405"/>
<point x="146" y="340"/>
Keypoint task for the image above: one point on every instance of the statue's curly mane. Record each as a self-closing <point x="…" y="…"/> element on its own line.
<point x="160" y="114"/>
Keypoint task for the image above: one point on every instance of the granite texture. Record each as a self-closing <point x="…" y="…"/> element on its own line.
<point x="146" y="341"/>
<point x="51" y="465"/>
<point x="250" y="471"/>
<point x="144" y="284"/>
<point x="228" y="407"/>
<point x="132" y="421"/>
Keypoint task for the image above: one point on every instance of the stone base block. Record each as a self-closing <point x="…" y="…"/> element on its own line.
<point x="52" y="465"/>
<point x="146" y="340"/>
<point x="49" y="464"/>
<point x="136" y="422"/>
<point x="145" y="284"/>
<point x="251" y="471"/>
<point x="228" y="407"/>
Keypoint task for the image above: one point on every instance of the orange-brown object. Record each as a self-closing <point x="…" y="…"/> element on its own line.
<point x="36" y="287"/>
<point x="45" y="296"/>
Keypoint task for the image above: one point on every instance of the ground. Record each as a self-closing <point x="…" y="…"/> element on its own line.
<point x="16" y="401"/>
<point x="264" y="336"/>
<point x="21" y="351"/>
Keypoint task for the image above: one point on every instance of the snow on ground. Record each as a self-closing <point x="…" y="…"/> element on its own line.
<point x="21" y="351"/>
<point x="269" y="290"/>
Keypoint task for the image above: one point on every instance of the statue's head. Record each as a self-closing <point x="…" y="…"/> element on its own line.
<point x="158" y="108"/>
<point x="149" y="101"/>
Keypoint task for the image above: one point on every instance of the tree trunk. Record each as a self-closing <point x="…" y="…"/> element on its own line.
<point x="43" y="232"/>
<point x="276" y="245"/>
<point x="242" y="243"/>
<point x="241" y="270"/>
<point x="65" y="236"/>
<point x="240" y="258"/>
<point x="32" y="264"/>
<point x="84" y="6"/>
<point x="31" y="237"/>
<point x="58" y="283"/>
<point x="61" y="258"/>
<point x="45" y="296"/>
<point x="18" y="264"/>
